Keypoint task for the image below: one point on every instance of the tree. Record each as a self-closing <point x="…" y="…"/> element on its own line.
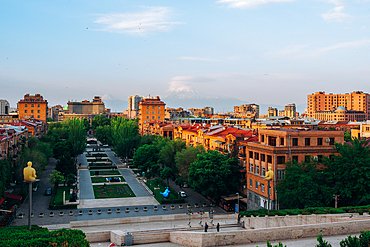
<point x="167" y="173"/>
<point x="347" y="136"/>
<point x="125" y="135"/>
<point x="77" y="136"/>
<point x="100" y="120"/>
<point x="214" y="174"/>
<point x="349" y="172"/>
<point x="104" y="134"/>
<point x="185" y="157"/>
<point x="146" y="157"/>
<point x="304" y="185"/>
<point x="5" y="175"/>
<point x="70" y="179"/>
<point x="167" y="153"/>
<point x="57" y="178"/>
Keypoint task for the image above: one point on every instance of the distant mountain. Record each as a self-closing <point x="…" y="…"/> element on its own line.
<point x="116" y="105"/>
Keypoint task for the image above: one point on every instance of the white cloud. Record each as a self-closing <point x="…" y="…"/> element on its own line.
<point x="335" y="14"/>
<point x="186" y="83"/>
<point x="250" y="3"/>
<point x="200" y="59"/>
<point x="351" y="44"/>
<point x="153" y="19"/>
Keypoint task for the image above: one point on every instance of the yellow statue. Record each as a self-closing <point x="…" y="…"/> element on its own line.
<point x="269" y="174"/>
<point x="29" y="173"/>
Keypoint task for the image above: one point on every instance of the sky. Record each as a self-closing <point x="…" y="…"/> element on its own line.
<point x="262" y="51"/>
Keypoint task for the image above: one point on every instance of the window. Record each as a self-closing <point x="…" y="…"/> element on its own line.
<point x="280" y="174"/>
<point x="269" y="159"/>
<point x="281" y="141"/>
<point x="159" y="117"/>
<point x="147" y="117"/>
<point x="256" y="199"/>
<point x="262" y="138"/>
<point x="281" y="160"/>
<point x="257" y="169"/>
<point x="251" y="167"/>
<point x="319" y="141"/>
<point x="25" y="111"/>
<point x="307" y="141"/>
<point x="31" y="111"/>
<point x="250" y="183"/>
<point x="263" y="158"/>
<point x="262" y="187"/>
<point x="32" y="105"/>
<point x="147" y="112"/>
<point x="25" y="105"/>
<point x="307" y="158"/>
<point x="331" y="142"/>
<point x="159" y="112"/>
<point x="263" y="171"/>
<point x="32" y="116"/>
<point x="272" y="141"/>
<point x="25" y="116"/>
<point x="257" y="156"/>
<point x="153" y="112"/>
<point x="159" y="107"/>
<point x="147" y="107"/>
<point x="153" y="107"/>
<point x="256" y="185"/>
<point x="38" y="111"/>
<point x="38" y="106"/>
<point x="38" y="116"/>
<point x="295" y="142"/>
<point x="250" y="154"/>
<point x="153" y="117"/>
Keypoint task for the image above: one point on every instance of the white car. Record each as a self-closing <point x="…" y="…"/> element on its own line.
<point x="182" y="194"/>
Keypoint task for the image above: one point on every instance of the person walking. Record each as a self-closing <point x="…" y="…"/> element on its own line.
<point x="218" y="227"/>
<point x="205" y="227"/>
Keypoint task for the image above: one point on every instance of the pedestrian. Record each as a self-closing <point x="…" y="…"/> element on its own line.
<point x="205" y="227"/>
<point x="218" y="227"/>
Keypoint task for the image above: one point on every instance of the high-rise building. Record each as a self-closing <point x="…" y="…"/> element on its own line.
<point x="4" y="107"/>
<point x="290" y="110"/>
<point x="151" y="109"/>
<point x="248" y="108"/>
<point x="33" y="107"/>
<point x="349" y="106"/>
<point x="133" y="105"/>
<point x="272" y="112"/>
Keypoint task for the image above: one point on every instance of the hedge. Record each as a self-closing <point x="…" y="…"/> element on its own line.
<point x="39" y="237"/>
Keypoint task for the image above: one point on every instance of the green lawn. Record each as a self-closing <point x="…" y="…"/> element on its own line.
<point x="158" y="196"/>
<point x="105" y="172"/>
<point x="58" y="197"/>
<point x="112" y="191"/>
<point x="103" y="179"/>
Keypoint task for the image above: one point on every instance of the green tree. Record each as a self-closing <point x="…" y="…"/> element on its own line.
<point x="100" y="120"/>
<point x="70" y="179"/>
<point x="168" y="152"/>
<point x="104" y="134"/>
<point x="214" y="174"/>
<point x="347" y="136"/>
<point x="145" y="157"/>
<point x="185" y="157"/>
<point x="125" y="133"/>
<point x="86" y="124"/>
<point x="5" y="175"/>
<point x="304" y="185"/>
<point x="57" y="178"/>
<point x="167" y="173"/>
<point x="77" y="136"/>
<point x="147" y="139"/>
<point x="349" y="172"/>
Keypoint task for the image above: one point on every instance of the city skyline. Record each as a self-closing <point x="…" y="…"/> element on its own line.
<point x="266" y="52"/>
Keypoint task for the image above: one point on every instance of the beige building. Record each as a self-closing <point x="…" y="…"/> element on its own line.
<point x="96" y="106"/>
<point x="272" y="112"/>
<point x="290" y="110"/>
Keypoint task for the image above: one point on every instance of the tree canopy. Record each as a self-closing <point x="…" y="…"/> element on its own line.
<point x="185" y="157"/>
<point x="214" y="174"/>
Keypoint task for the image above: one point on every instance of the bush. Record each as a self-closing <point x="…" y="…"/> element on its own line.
<point x="350" y="242"/>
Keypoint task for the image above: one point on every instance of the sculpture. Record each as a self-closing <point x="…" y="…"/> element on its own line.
<point x="269" y="174"/>
<point x="166" y="193"/>
<point x="29" y="173"/>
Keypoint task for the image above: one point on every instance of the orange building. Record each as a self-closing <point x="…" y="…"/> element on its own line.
<point x="276" y="147"/>
<point x="33" y="107"/>
<point x="349" y="106"/>
<point x="151" y="109"/>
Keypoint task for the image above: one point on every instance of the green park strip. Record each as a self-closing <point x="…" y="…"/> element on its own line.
<point x="104" y="179"/>
<point x="105" y="172"/>
<point x="58" y="198"/>
<point x="112" y="191"/>
<point x="154" y="185"/>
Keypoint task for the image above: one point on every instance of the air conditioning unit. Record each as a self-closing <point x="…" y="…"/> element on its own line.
<point x="327" y="140"/>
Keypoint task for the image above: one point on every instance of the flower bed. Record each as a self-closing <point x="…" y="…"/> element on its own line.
<point x="112" y="191"/>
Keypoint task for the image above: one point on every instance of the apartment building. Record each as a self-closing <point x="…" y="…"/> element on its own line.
<point x="151" y="109"/>
<point x="353" y="106"/>
<point x="274" y="148"/>
<point x="290" y="110"/>
<point x="4" y="107"/>
<point x="248" y="108"/>
<point x="33" y="107"/>
<point x="272" y="112"/>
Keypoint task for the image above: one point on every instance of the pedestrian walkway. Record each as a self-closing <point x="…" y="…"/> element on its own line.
<point x="86" y="188"/>
<point x="118" y="202"/>
<point x="135" y="185"/>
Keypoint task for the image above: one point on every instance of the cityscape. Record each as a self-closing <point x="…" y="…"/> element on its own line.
<point x="184" y="123"/>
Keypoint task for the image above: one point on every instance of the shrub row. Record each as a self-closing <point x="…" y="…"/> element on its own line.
<point x="307" y="211"/>
<point x="40" y="237"/>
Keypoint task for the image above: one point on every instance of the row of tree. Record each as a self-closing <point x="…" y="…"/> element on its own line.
<point x="313" y="184"/>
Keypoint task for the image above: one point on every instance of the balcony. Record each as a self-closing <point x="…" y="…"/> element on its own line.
<point x="242" y="155"/>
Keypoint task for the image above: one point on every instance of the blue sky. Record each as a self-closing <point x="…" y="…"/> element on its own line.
<point x="262" y="51"/>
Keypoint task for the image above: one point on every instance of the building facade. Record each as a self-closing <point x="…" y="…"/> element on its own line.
<point x="290" y="110"/>
<point x="248" y="108"/>
<point x="33" y="107"/>
<point x="151" y="109"/>
<point x="272" y="112"/>
<point x="323" y="106"/>
<point x="96" y="106"/>
<point x="274" y="148"/>
<point x="4" y="107"/>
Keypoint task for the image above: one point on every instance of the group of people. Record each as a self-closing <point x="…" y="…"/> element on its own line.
<point x="206" y="227"/>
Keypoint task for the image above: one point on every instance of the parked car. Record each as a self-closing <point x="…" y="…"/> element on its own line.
<point x="48" y="192"/>
<point x="182" y="194"/>
<point x="185" y="185"/>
